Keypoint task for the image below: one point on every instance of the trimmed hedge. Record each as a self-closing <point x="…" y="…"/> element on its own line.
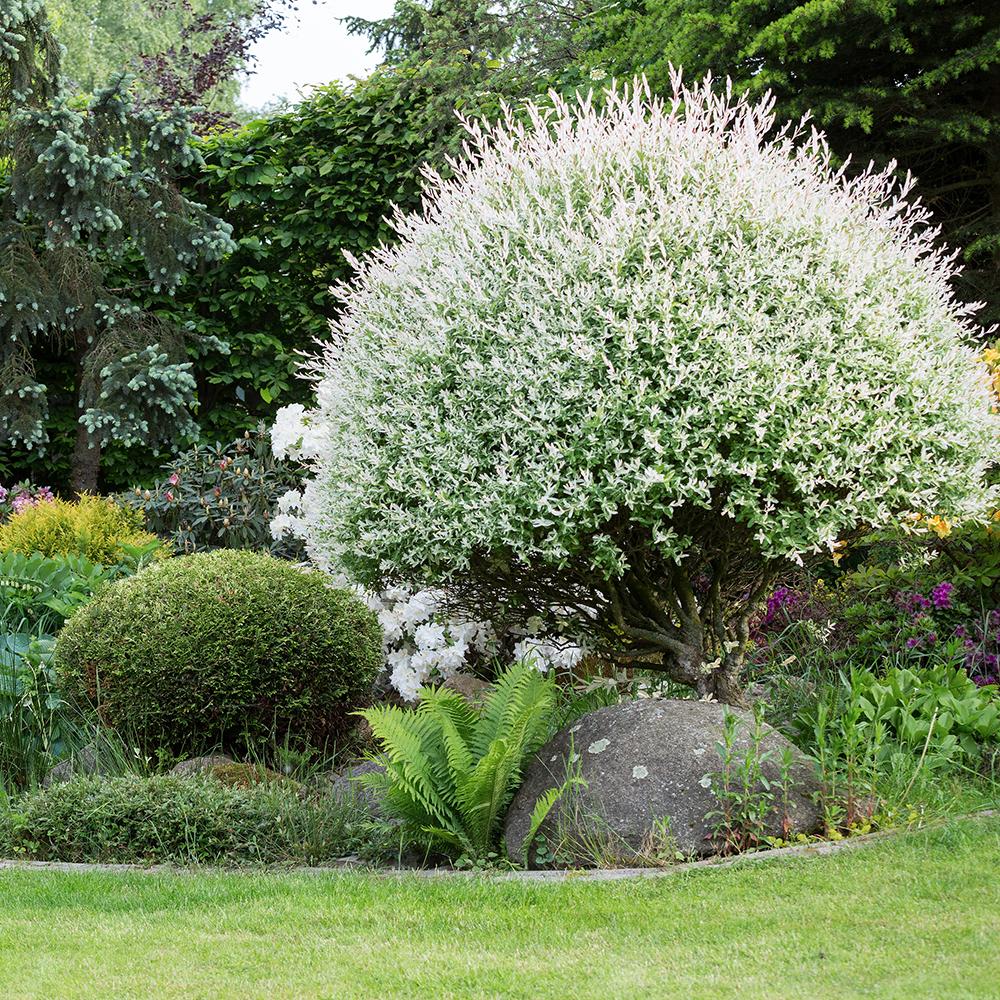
<point x="191" y="820"/>
<point x="227" y="648"/>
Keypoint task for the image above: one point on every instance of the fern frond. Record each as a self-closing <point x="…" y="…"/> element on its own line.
<point x="408" y="742"/>
<point x="518" y="686"/>
<point x="451" y="771"/>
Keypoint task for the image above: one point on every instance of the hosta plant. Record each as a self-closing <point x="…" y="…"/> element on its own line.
<point x="939" y="707"/>
<point x="451" y="769"/>
<point x="632" y="360"/>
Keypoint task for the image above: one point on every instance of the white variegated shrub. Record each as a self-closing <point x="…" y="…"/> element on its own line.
<point x="632" y="359"/>
<point x="422" y="642"/>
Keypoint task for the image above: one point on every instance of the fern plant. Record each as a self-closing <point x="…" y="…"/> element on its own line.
<point x="451" y="769"/>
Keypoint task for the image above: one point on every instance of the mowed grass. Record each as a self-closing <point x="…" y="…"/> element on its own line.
<point x="916" y="916"/>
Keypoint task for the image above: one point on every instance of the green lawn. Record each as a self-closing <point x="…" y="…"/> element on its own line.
<point x="916" y="916"/>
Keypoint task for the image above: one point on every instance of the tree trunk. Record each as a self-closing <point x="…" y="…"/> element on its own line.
<point x="724" y="683"/>
<point x="86" y="463"/>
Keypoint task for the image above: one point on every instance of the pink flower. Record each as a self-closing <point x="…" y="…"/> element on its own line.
<point x="174" y="479"/>
<point x="170" y="495"/>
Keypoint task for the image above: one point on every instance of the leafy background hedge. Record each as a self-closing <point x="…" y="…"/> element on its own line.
<point x="299" y="188"/>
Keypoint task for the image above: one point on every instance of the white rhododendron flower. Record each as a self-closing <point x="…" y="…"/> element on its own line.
<point x="295" y="433"/>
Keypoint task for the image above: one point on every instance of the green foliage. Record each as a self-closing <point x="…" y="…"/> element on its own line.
<point x="452" y="768"/>
<point x="33" y="723"/>
<point x="225" y="648"/>
<point x="38" y="593"/>
<point x="105" y="37"/>
<point x="470" y="57"/>
<point x="874" y="736"/>
<point x="96" y="528"/>
<point x="221" y="497"/>
<point x="746" y="798"/>
<point x="83" y="186"/>
<point x="299" y="189"/>
<point x="939" y="707"/>
<point x="185" y="821"/>
<point x="916" y="82"/>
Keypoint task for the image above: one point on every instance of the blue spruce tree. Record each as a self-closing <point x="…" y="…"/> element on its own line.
<point x="80" y="185"/>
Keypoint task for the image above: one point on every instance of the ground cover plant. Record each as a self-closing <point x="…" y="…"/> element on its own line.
<point x="189" y="820"/>
<point x="768" y="929"/>
<point x="634" y="466"/>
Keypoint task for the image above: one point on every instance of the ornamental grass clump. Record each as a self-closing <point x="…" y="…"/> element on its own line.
<point x="631" y="360"/>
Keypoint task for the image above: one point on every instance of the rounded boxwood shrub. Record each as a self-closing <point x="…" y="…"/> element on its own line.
<point x="227" y="648"/>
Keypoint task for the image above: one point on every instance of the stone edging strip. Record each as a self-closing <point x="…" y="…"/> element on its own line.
<point x="817" y="849"/>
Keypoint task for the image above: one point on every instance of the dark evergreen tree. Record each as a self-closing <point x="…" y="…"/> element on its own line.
<point x="468" y="56"/>
<point x="83" y="184"/>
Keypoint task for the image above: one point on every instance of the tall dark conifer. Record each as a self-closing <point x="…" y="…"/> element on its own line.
<point x="81" y="185"/>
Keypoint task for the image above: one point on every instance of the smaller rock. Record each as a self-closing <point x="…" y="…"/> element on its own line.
<point x="247" y="775"/>
<point x="199" y="765"/>
<point x="341" y="785"/>
<point x="473" y="689"/>
<point x="84" y="761"/>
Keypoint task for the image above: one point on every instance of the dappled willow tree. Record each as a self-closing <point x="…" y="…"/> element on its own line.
<point x="82" y="185"/>
<point x="628" y="364"/>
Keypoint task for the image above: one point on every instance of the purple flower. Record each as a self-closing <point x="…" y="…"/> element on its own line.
<point x="912" y="603"/>
<point x="912" y="643"/>
<point x="941" y="595"/>
<point x="783" y="599"/>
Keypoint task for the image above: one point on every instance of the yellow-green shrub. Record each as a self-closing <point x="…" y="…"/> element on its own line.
<point x="95" y="527"/>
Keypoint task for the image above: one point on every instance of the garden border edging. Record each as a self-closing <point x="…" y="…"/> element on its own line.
<point x="817" y="849"/>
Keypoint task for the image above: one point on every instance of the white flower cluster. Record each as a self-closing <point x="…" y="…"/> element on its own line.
<point x="294" y="435"/>
<point x="616" y="313"/>
<point x="421" y="643"/>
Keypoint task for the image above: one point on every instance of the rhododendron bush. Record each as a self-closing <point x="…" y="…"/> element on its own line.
<point x="630" y="361"/>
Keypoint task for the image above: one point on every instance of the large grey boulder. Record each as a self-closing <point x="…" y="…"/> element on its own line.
<point x="645" y="768"/>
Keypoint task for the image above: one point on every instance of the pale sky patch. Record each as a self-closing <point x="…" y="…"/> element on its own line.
<point x="313" y="48"/>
